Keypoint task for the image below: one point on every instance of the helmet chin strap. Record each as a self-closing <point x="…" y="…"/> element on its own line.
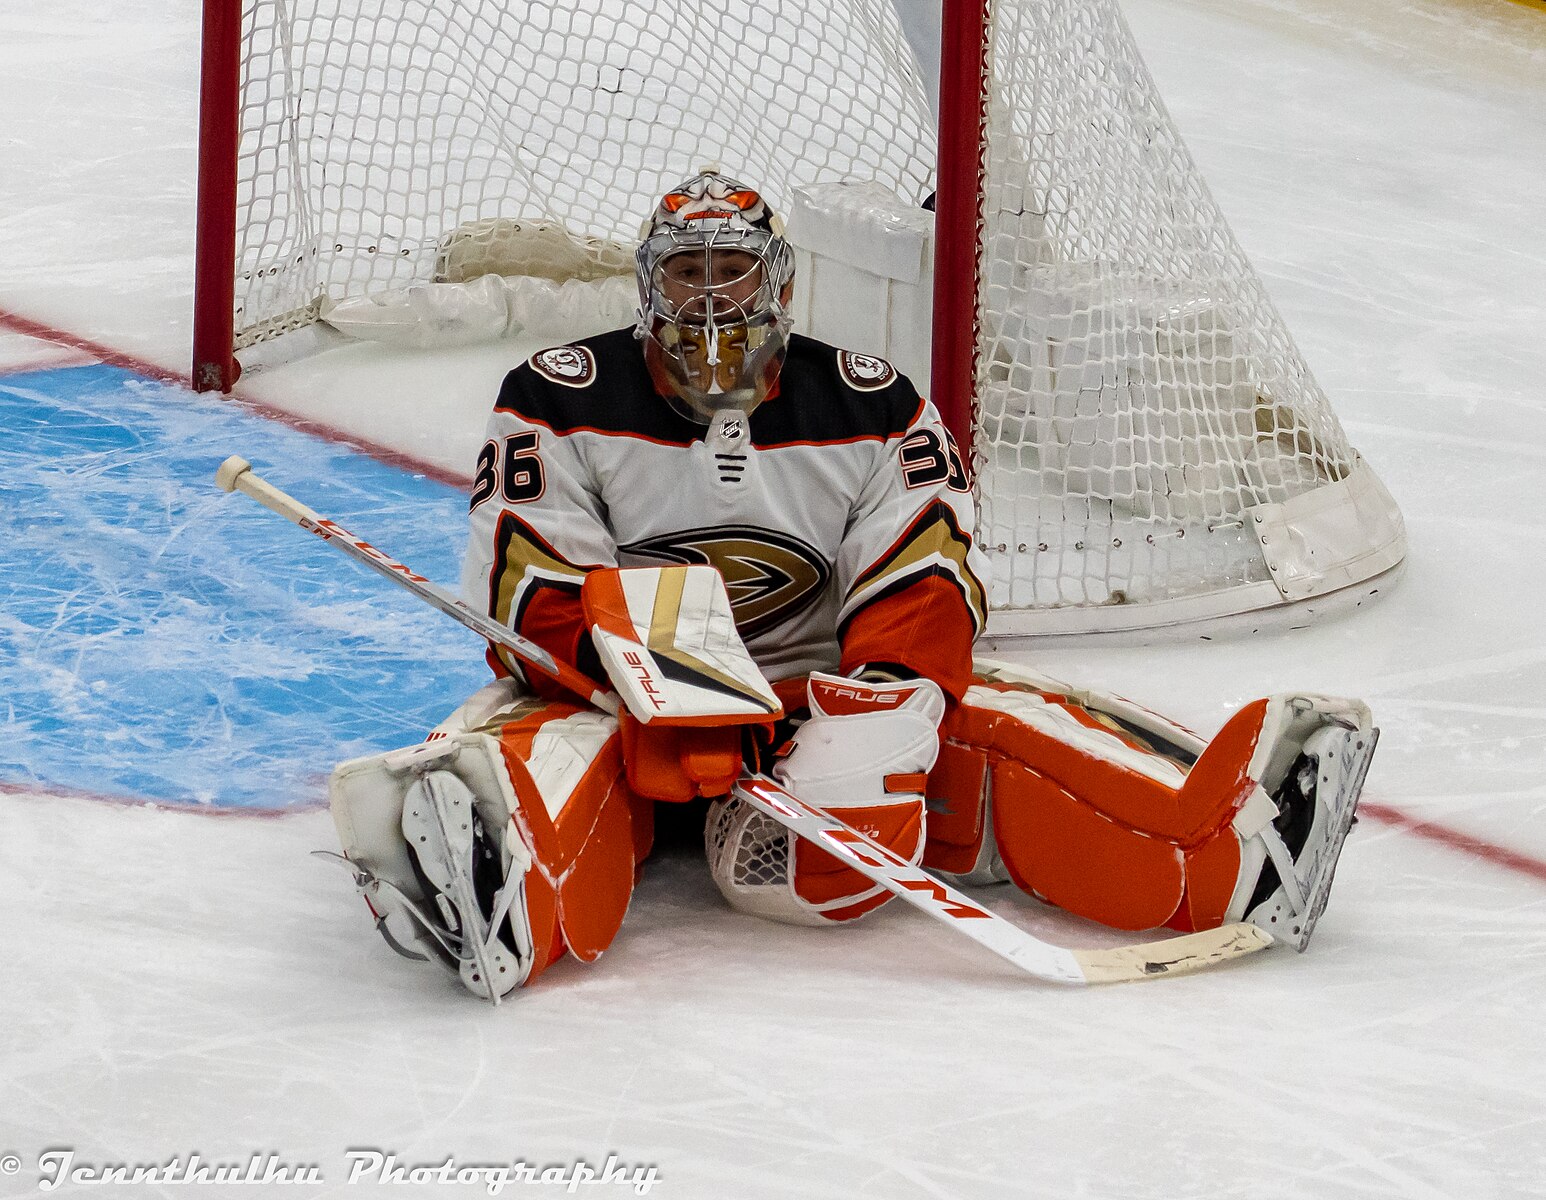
<point x="711" y="333"/>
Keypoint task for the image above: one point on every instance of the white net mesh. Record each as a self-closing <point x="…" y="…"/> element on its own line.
<point x="371" y="128"/>
<point x="746" y="848"/>
<point x="1146" y="432"/>
<point x="1138" y="394"/>
<point x="748" y="856"/>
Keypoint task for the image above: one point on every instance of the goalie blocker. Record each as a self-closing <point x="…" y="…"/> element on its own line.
<point x="515" y="833"/>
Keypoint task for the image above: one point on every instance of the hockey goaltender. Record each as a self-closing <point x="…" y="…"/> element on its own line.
<point x="764" y="545"/>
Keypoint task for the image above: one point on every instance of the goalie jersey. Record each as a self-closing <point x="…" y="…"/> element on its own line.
<point x="838" y="512"/>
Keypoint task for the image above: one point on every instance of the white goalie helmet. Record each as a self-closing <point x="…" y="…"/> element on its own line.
<point x="715" y="276"/>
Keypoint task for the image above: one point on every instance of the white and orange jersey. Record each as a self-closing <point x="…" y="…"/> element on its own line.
<point x="838" y="512"/>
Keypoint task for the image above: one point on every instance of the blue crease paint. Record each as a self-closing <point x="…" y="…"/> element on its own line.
<point x="163" y="640"/>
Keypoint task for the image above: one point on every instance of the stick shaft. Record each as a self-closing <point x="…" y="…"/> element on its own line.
<point x="236" y="474"/>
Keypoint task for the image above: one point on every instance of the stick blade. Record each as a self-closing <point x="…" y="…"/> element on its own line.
<point x="1173" y="956"/>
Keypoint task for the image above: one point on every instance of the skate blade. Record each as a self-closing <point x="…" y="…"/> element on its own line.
<point x="384" y="897"/>
<point x="437" y="821"/>
<point x="1296" y="931"/>
<point x="1316" y="904"/>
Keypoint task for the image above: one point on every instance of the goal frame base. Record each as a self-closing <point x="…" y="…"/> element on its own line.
<point x="1237" y="613"/>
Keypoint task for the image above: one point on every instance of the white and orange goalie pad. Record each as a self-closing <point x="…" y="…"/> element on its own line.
<point x="1104" y="808"/>
<point x="548" y="783"/>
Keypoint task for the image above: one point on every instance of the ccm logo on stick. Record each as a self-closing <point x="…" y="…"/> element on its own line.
<point x="852" y="846"/>
<point x="327" y="530"/>
<point x="954" y="908"/>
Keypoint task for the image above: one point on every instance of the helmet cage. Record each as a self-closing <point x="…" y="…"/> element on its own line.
<point x="719" y="336"/>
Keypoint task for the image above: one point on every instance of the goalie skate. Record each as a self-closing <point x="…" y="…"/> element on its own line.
<point x="385" y="898"/>
<point x="1317" y="802"/>
<point x="442" y="827"/>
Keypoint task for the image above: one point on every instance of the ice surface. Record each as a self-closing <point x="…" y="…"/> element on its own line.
<point x="177" y="982"/>
<point x="166" y="641"/>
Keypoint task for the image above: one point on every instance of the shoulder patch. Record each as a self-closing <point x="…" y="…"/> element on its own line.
<point x="572" y="366"/>
<point x="864" y="372"/>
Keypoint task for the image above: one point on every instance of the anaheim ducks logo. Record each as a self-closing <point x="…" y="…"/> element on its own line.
<point x="770" y="576"/>
<point x="865" y="372"/>
<point x="572" y="366"/>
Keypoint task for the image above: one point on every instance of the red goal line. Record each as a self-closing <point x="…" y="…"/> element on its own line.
<point x="1455" y="840"/>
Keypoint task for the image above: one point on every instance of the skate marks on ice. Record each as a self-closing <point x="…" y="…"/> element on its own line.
<point x="162" y="643"/>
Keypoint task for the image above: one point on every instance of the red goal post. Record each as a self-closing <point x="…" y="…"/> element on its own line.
<point x="214" y="280"/>
<point x="963" y="118"/>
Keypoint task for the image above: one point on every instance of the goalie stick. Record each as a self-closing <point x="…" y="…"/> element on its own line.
<point x="1168" y="956"/>
<point x="1042" y="960"/>
<point x="236" y="475"/>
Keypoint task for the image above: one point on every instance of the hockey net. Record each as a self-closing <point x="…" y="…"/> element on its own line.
<point x="1150" y="448"/>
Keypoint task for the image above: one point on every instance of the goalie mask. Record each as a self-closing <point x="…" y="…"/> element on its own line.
<point x="714" y="284"/>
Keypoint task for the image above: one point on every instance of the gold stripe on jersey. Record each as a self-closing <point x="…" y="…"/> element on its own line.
<point x="521" y="709"/>
<point x="524" y="564"/>
<point x="933" y="545"/>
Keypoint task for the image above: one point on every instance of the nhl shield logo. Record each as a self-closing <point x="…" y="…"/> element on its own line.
<point x="865" y="372"/>
<point x="572" y="366"/>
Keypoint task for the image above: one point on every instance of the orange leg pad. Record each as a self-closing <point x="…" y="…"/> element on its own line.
<point x="1221" y="781"/>
<point x="641" y="813"/>
<point x="1086" y="812"/>
<point x="585" y="856"/>
<point x="1126" y="795"/>
<point x="542" y="913"/>
<point x="955" y="827"/>
<point x="1072" y="856"/>
<point x="593" y="896"/>
<point x="1212" y="870"/>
